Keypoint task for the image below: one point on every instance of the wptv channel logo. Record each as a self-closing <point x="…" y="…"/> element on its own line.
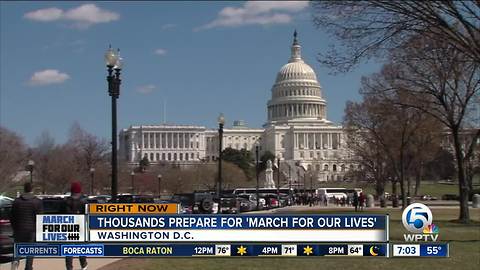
<point x="417" y="219"/>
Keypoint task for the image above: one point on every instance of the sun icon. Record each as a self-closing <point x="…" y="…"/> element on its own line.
<point x="307" y="250"/>
<point x="241" y="250"/>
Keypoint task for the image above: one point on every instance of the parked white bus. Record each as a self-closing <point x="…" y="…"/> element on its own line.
<point x="337" y="193"/>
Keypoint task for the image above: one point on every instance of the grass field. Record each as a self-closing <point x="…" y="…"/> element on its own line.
<point x="433" y="189"/>
<point x="464" y="251"/>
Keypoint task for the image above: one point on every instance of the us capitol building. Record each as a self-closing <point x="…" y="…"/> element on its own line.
<point x="297" y="131"/>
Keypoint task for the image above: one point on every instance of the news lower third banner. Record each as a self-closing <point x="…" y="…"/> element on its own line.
<point x="243" y="228"/>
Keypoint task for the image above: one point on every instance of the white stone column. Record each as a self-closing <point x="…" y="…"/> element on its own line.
<point x="314" y="141"/>
<point x="161" y="140"/>
<point x="150" y="140"/>
<point x="307" y="141"/>
<point x="155" y="143"/>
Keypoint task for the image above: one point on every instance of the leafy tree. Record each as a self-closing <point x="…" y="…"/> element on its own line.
<point x="144" y="164"/>
<point x="242" y="158"/>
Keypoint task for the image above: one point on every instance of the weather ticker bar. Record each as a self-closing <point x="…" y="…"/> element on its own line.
<point x="201" y="250"/>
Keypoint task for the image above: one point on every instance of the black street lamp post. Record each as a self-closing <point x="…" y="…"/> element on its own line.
<point x="311" y="181"/>
<point x="114" y="63"/>
<point x="257" y="171"/>
<point x="304" y="185"/>
<point x="132" y="178"/>
<point x="221" y="123"/>
<point x="159" y="177"/>
<point x="289" y="178"/>
<point x="92" y="178"/>
<point x="278" y="181"/>
<point x="30" y="167"/>
<point x="290" y="197"/>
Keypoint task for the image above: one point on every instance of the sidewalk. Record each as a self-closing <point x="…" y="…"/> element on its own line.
<point x="59" y="264"/>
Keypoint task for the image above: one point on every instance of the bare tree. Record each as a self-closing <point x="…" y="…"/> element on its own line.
<point x="12" y="156"/>
<point x="442" y="83"/>
<point x="375" y="28"/>
<point x="386" y="135"/>
<point x="61" y="169"/>
<point x="364" y="140"/>
<point x="42" y="152"/>
<point x="89" y="149"/>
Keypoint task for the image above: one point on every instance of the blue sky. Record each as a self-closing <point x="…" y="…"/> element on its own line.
<point x="202" y="58"/>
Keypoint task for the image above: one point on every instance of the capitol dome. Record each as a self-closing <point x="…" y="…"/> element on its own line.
<point x="296" y="93"/>
<point x="297" y="70"/>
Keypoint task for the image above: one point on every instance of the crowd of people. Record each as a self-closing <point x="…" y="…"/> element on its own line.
<point x="312" y="199"/>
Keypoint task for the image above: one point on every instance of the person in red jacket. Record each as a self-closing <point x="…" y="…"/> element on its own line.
<point x="75" y="204"/>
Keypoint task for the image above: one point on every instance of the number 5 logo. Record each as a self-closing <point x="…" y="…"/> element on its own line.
<point x="416" y="217"/>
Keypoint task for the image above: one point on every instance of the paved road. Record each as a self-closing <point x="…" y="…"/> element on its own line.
<point x="59" y="264"/>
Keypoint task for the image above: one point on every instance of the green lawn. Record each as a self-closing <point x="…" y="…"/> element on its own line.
<point x="464" y="251"/>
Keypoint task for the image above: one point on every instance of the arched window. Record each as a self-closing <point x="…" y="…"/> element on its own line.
<point x="343" y="167"/>
<point x="334" y="167"/>
<point x="158" y="156"/>
<point x="151" y="156"/>
<point x="325" y="167"/>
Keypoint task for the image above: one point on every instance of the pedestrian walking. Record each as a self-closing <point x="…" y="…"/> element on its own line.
<point x="75" y="204"/>
<point x="23" y="220"/>
<point x="355" y="200"/>
<point x="361" y="201"/>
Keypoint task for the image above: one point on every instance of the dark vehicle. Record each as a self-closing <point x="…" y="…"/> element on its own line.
<point x="229" y="205"/>
<point x="245" y="204"/>
<point x="53" y="205"/>
<point x="285" y="200"/>
<point x="195" y="203"/>
<point x="271" y="200"/>
<point x="450" y="197"/>
<point x="6" y="231"/>
<point x="186" y="202"/>
<point x="130" y="198"/>
<point x="252" y="201"/>
<point x="99" y="199"/>
<point x="203" y="203"/>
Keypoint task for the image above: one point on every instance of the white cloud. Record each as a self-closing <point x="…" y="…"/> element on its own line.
<point x="48" y="76"/>
<point x="45" y="15"/>
<point x="82" y="16"/>
<point x="160" y="51"/>
<point x="168" y="26"/>
<point x="146" y="89"/>
<point x="256" y="12"/>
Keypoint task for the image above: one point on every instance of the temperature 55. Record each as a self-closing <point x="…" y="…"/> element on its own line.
<point x="433" y="250"/>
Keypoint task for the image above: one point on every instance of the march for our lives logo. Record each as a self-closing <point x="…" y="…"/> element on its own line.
<point x="418" y="219"/>
<point x="60" y="228"/>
